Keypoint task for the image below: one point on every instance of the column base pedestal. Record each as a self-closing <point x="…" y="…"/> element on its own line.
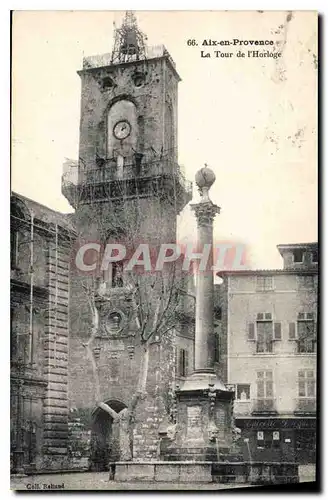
<point x="201" y="380"/>
<point x="203" y="430"/>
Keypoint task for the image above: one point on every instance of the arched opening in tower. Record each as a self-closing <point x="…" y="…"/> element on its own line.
<point x="105" y="437"/>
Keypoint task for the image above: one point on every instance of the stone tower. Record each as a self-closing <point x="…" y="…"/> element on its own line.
<point x="128" y="133"/>
<point x="126" y="187"/>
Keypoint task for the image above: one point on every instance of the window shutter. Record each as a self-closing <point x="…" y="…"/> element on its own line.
<point x="301" y="388"/>
<point x="277" y="331"/>
<point x="180" y="371"/>
<point x="269" y="389"/>
<point x="292" y="331"/>
<point x="186" y="367"/>
<point x="311" y="389"/>
<point x="251" y="331"/>
<point x="260" y="389"/>
<point x="182" y="362"/>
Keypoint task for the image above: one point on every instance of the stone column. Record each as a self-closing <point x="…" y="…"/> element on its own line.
<point x="203" y="403"/>
<point x="205" y="212"/>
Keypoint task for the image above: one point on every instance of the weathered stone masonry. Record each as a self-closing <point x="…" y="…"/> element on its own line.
<point x="56" y="355"/>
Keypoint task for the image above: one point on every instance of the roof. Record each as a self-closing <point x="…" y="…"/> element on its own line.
<point x="265" y="272"/>
<point x="297" y="246"/>
<point x="153" y="53"/>
<point x="46" y="214"/>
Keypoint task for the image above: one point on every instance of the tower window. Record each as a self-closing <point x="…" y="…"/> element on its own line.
<point x="217" y="313"/>
<point x="114" y="321"/>
<point x="107" y="83"/>
<point x="139" y="80"/>
<point x="138" y="159"/>
<point x="117" y="274"/>
<point x="298" y="256"/>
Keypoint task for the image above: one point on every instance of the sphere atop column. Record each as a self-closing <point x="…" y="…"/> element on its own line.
<point x="205" y="177"/>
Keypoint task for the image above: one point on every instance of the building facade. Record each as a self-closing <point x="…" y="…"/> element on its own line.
<point x="40" y="252"/>
<point x="270" y="318"/>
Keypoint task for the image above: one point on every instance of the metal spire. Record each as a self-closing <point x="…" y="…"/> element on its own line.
<point x="129" y="41"/>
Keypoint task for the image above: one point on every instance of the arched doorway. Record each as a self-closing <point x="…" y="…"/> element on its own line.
<point x="104" y="437"/>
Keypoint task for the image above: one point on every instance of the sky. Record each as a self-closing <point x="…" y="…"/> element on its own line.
<point x="252" y="120"/>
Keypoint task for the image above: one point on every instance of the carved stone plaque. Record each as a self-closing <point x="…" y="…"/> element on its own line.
<point x="115" y="346"/>
<point x="113" y="349"/>
<point x="194" y="422"/>
<point x="221" y="422"/>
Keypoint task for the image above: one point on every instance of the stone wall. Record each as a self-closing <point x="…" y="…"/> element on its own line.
<point x="149" y="100"/>
<point x="79" y="439"/>
<point x="39" y="341"/>
<point x="56" y="358"/>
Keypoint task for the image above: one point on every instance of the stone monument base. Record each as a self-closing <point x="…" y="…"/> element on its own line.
<point x="202" y="429"/>
<point x="205" y="472"/>
<point x="179" y="472"/>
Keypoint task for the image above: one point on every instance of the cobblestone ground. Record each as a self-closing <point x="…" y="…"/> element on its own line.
<point x="99" y="481"/>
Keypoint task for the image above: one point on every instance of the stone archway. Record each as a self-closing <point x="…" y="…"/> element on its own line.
<point x="104" y="436"/>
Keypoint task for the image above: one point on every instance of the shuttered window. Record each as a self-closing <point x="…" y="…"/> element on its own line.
<point x="183" y="362"/>
<point x="292" y="331"/>
<point x="264" y="384"/>
<point x="264" y="331"/>
<point x="306" y="384"/>
<point x="304" y="332"/>
<point x="277" y="331"/>
<point x="251" y="331"/>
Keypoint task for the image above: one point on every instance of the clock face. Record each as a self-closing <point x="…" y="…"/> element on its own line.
<point x="122" y="129"/>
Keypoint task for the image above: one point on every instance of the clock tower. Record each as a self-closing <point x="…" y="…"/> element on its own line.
<point x="128" y="133"/>
<point x="126" y="186"/>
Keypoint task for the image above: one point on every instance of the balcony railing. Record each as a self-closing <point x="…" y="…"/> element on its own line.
<point x="306" y="346"/>
<point x="264" y="347"/>
<point x="105" y="169"/>
<point x="305" y="405"/>
<point x="264" y="405"/>
<point x="100" y="60"/>
<point x="136" y="175"/>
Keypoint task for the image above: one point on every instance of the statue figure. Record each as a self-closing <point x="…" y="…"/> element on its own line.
<point x="212" y="431"/>
<point x="171" y="431"/>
